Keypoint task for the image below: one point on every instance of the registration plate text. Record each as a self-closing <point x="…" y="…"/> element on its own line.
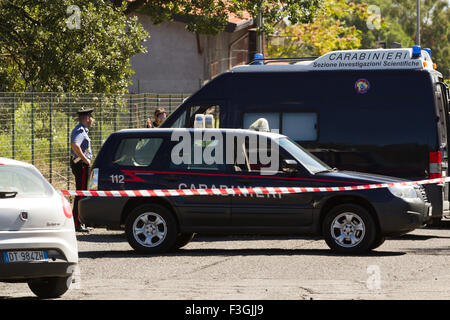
<point x="24" y="256"/>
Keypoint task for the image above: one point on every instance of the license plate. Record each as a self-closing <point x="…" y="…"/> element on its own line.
<point x="24" y="256"/>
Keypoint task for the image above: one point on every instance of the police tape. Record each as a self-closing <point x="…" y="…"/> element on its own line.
<point x="240" y="190"/>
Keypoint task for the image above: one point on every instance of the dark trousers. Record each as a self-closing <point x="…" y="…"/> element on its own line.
<point x="81" y="172"/>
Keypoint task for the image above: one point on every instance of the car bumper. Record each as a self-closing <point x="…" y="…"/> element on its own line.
<point x="20" y="272"/>
<point x="61" y="246"/>
<point x="412" y="214"/>
<point x="435" y="195"/>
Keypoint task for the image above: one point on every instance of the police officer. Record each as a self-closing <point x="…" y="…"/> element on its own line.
<point x="81" y="156"/>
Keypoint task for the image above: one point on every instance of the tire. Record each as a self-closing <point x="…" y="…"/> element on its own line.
<point x="349" y="229"/>
<point x="151" y="228"/>
<point x="182" y="240"/>
<point x="48" y="288"/>
<point x="379" y="240"/>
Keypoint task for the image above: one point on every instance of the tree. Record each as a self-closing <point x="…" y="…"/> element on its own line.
<point x="58" y="46"/>
<point x="211" y="16"/>
<point x="436" y="34"/>
<point x="400" y="19"/>
<point x="328" y="31"/>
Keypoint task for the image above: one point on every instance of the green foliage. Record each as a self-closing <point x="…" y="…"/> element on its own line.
<point x="400" y="19"/>
<point x="211" y="16"/>
<point x="329" y="30"/>
<point x="44" y="48"/>
<point x="342" y="24"/>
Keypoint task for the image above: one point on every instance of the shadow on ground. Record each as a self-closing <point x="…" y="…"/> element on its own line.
<point x="131" y="254"/>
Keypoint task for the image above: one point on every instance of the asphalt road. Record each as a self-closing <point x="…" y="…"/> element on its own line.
<point x="415" y="266"/>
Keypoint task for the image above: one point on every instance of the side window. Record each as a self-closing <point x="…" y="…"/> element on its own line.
<point x="25" y="181"/>
<point x="212" y="116"/>
<point x="137" y="152"/>
<point x="272" y="117"/>
<point x="256" y="155"/>
<point x="300" y="126"/>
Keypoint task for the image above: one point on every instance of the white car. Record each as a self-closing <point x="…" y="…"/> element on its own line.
<point x="37" y="234"/>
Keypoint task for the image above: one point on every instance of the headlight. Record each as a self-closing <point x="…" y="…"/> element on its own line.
<point x="404" y="192"/>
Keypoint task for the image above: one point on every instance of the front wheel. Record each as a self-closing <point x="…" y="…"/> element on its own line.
<point x="349" y="229"/>
<point x="182" y="240"/>
<point x="151" y="229"/>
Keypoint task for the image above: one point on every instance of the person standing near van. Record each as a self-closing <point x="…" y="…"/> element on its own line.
<point x="81" y="157"/>
<point x="159" y="116"/>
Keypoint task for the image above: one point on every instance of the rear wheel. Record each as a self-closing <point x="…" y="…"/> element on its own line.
<point x="151" y="229"/>
<point x="349" y="228"/>
<point x="48" y="288"/>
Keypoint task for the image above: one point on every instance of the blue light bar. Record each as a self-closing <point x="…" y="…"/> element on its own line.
<point x="428" y="50"/>
<point x="258" y="59"/>
<point x="416" y="51"/>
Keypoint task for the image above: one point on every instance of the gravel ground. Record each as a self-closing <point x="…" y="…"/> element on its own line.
<point x="415" y="266"/>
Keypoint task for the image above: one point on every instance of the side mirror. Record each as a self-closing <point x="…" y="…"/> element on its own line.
<point x="289" y="166"/>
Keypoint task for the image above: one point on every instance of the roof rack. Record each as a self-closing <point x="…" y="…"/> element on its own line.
<point x="294" y="59"/>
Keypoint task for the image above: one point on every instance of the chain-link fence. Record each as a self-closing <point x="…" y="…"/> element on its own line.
<point x="36" y="127"/>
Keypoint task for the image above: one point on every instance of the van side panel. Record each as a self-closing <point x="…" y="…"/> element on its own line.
<point x="388" y="130"/>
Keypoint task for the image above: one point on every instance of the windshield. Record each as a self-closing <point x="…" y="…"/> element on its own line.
<point x="310" y="162"/>
<point x="27" y="182"/>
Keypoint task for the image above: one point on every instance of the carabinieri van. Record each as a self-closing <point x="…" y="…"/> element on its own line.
<point x="382" y="111"/>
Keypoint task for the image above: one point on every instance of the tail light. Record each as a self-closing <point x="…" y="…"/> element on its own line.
<point x="67" y="209"/>
<point x="93" y="181"/>
<point x="435" y="165"/>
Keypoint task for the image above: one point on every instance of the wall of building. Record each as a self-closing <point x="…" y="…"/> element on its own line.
<point x="224" y="51"/>
<point x="179" y="61"/>
<point x="172" y="63"/>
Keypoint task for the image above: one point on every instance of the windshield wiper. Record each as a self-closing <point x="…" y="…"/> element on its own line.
<point x="7" y="194"/>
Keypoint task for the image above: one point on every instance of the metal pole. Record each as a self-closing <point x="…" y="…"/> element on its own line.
<point x="145" y="109"/>
<point x="418" y="23"/>
<point x="259" y="32"/>
<point x="13" y="135"/>
<point x="101" y="120"/>
<point x="69" y="148"/>
<point x="130" y="125"/>
<point x="51" y="137"/>
<point x="115" y="114"/>
<point x="32" y="127"/>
